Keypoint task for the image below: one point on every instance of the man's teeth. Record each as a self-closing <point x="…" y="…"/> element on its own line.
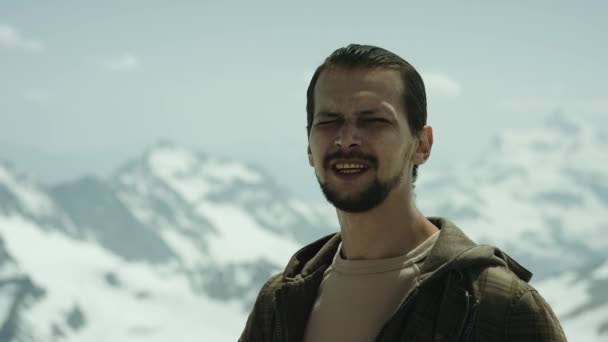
<point x="350" y="170"/>
<point x="350" y="167"/>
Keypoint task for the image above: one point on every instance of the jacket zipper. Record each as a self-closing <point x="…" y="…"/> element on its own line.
<point x="470" y="320"/>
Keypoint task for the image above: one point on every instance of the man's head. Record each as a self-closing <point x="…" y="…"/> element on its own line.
<point x="366" y="110"/>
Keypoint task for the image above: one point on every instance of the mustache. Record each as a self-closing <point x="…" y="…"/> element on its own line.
<point x="371" y="160"/>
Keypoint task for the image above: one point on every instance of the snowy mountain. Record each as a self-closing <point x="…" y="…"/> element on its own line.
<point x="541" y="195"/>
<point x="175" y="244"/>
<point x="167" y="241"/>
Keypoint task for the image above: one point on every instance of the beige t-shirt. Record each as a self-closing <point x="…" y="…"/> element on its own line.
<point x="356" y="297"/>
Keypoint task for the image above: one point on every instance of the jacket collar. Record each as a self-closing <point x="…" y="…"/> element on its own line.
<point x="452" y="250"/>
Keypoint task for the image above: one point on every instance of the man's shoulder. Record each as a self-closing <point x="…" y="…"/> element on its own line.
<point x="270" y="286"/>
<point x="508" y="306"/>
<point x="501" y="290"/>
<point x="499" y="281"/>
<point x="260" y="320"/>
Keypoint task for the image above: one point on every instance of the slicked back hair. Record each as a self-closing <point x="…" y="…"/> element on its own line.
<point x="368" y="56"/>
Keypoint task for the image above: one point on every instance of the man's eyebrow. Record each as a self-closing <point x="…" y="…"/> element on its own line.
<point x="365" y="112"/>
<point x="327" y="113"/>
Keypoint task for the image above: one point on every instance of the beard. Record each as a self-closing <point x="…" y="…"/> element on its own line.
<point x="366" y="199"/>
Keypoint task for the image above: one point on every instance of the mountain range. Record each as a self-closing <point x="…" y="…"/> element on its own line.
<point x="175" y="244"/>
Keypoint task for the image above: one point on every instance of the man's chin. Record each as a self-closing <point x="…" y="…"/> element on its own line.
<point x="356" y="207"/>
<point x="359" y="201"/>
<point x="351" y="203"/>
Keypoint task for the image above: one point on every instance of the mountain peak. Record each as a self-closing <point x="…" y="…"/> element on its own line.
<point x="173" y="161"/>
<point x="192" y="174"/>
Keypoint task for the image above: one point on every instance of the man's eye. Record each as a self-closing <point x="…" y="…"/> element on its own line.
<point x="377" y="120"/>
<point x="325" y="123"/>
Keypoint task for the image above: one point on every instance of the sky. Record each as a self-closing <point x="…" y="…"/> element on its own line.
<point x="85" y="86"/>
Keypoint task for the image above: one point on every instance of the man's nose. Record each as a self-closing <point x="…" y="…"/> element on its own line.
<point x="347" y="136"/>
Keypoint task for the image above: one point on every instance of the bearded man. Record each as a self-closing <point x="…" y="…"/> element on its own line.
<point x="390" y="274"/>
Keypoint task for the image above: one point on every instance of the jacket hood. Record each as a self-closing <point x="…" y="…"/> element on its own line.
<point x="453" y="250"/>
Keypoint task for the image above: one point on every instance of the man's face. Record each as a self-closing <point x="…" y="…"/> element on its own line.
<point x="360" y="144"/>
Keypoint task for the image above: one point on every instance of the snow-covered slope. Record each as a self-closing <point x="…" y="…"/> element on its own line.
<point x="554" y="176"/>
<point x="541" y="194"/>
<point x="220" y="202"/>
<point x="580" y="298"/>
<point x="92" y="295"/>
<point x="175" y="244"/>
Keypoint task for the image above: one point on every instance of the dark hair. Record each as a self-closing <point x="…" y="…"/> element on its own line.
<point x="368" y="56"/>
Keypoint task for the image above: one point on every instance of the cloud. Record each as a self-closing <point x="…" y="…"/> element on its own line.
<point x="441" y="85"/>
<point x="528" y="104"/>
<point x="126" y="62"/>
<point x="540" y="104"/>
<point x="11" y="38"/>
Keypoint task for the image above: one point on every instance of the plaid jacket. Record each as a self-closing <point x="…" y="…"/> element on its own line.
<point x="467" y="292"/>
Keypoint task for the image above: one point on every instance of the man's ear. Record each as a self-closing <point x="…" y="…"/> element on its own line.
<point x="310" y="160"/>
<point x="425" y="143"/>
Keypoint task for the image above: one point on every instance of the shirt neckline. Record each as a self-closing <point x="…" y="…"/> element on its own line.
<point x="362" y="267"/>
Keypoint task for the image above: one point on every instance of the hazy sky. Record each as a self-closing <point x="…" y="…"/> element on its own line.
<point x="85" y="86"/>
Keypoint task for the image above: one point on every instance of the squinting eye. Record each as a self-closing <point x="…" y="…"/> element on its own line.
<point x="322" y="123"/>
<point x="377" y="120"/>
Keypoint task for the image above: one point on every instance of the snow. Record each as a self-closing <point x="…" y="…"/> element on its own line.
<point x="228" y="172"/>
<point x="241" y="238"/>
<point x="553" y="290"/>
<point x="194" y="178"/>
<point x="172" y="161"/>
<point x="29" y="196"/>
<point x="189" y="253"/>
<point x="301" y="207"/>
<point x="503" y="188"/>
<point x="583" y="328"/>
<point x="509" y="205"/>
<point x="254" y="195"/>
<point x="192" y="189"/>
<point x="177" y="168"/>
<point x="73" y="272"/>
<point x="583" y="146"/>
<point x="137" y="183"/>
<point x="276" y="214"/>
<point x="242" y="277"/>
<point x="601" y="272"/>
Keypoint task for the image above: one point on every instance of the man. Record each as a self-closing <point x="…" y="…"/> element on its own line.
<point x="391" y="274"/>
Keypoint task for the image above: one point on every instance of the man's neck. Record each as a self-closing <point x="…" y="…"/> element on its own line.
<point x="392" y="229"/>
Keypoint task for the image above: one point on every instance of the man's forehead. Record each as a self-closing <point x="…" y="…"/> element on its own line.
<point x="360" y="84"/>
<point x="341" y="77"/>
